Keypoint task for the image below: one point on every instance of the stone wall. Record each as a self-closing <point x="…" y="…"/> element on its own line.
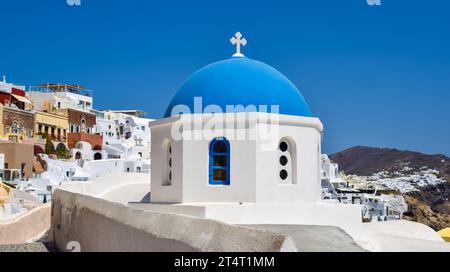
<point x="24" y="119"/>
<point x="98" y="225"/>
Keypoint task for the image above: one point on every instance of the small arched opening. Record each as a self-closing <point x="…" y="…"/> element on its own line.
<point x="49" y="147"/>
<point x="166" y="163"/>
<point x="62" y="151"/>
<point x="287" y="161"/>
<point x="38" y="150"/>
<point x="83" y="125"/>
<point x="97" y="156"/>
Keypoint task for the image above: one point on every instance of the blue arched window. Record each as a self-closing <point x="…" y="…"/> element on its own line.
<point x="219" y="162"/>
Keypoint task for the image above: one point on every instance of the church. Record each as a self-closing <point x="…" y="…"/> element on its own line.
<point x="238" y="143"/>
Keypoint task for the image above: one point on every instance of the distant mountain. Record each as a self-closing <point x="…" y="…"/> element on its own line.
<point x="430" y="205"/>
<point x="365" y="161"/>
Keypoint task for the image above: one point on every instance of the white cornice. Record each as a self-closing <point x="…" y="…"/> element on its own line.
<point x="253" y="117"/>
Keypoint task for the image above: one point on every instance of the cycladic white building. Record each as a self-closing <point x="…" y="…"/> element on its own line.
<point x="124" y="133"/>
<point x="106" y="126"/>
<point x="60" y="96"/>
<point x="238" y="143"/>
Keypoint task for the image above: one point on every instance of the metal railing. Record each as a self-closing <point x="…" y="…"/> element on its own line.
<point x="54" y="88"/>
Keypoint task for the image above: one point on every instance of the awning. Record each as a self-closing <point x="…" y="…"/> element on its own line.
<point x="21" y="98"/>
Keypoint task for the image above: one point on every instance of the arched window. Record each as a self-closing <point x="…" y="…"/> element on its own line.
<point x="83" y="125"/>
<point x="287" y="162"/>
<point x="97" y="156"/>
<point x="166" y="163"/>
<point x="15" y="127"/>
<point x="219" y="162"/>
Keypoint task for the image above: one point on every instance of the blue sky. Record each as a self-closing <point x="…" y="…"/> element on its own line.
<point x="377" y="76"/>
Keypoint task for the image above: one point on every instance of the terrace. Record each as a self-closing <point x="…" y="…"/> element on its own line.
<point x="58" y="87"/>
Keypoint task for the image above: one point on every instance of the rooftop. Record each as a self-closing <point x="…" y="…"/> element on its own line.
<point x="59" y="87"/>
<point x="137" y="113"/>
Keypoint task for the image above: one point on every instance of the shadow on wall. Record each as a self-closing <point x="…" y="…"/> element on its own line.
<point x="146" y="198"/>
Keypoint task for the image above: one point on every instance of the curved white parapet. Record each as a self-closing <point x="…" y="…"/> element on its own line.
<point x="401" y="236"/>
<point x="25" y="226"/>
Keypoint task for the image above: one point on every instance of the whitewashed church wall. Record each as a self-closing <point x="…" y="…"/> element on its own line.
<point x="242" y="172"/>
<point x="159" y="192"/>
<point x="307" y="164"/>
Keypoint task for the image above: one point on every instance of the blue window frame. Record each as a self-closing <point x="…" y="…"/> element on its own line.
<point x="219" y="162"/>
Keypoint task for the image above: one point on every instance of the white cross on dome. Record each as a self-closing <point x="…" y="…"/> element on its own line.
<point x="238" y="41"/>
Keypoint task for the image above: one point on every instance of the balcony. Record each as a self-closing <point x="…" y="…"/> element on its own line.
<point x="58" y="87"/>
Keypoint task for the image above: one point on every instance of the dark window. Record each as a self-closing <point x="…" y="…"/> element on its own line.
<point x="220" y="175"/>
<point x="22" y="169"/>
<point x="220" y="147"/>
<point x="286" y="160"/>
<point x="220" y="161"/>
<point x="283" y="146"/>
<point x="283" y="160"/>
<point x="167" y="164"/>
<point x="283" y="174"/>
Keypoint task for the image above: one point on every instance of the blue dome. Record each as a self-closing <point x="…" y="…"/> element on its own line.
<point x="240" y="81"/>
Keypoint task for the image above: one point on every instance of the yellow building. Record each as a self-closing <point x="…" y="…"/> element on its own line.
<point x="54" y="124"/>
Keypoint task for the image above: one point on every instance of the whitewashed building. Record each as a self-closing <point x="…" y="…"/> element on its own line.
<point x="60" y="96"/>
<point x="106" y="126"/>
<point x="124" y="133"/>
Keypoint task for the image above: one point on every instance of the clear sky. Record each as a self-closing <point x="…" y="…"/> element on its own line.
<point x="377" y="76"/>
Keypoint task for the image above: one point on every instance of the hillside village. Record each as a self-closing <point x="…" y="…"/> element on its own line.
<point x="51" y="134"/>
<point x="405" y="181"/>
<point x="421" y="179"/>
